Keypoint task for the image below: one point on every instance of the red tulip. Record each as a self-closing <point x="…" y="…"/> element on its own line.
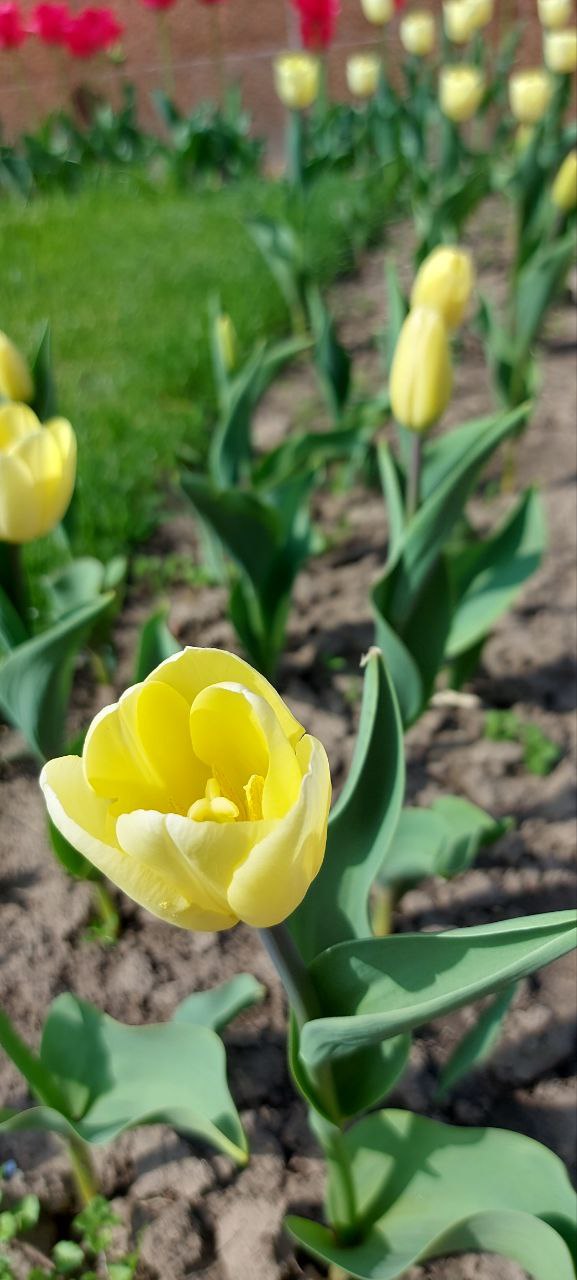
<point x="400" y="5"/>
<point x="317" y="21"/>
<point x="12" y="29"/>
<point x="92" y="31"/>
<point x="50" y="22"/>
<point x="158" y="4"/>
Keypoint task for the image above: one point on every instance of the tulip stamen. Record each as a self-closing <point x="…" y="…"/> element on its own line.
<point x="213" y="807"/>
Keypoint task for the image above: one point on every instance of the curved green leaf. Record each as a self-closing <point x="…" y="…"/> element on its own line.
<point x="359" y="1082"/>
<point x="218" y="1006"/>
<point x="475" y="1047"/>
<point x="155" y="643"/>
<point x="440" y="841"/>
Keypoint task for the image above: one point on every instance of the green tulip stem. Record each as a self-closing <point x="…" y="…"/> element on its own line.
<point x="292" y="972"/>
<point x="13" y="580"/>
<point x="82" y="1169"/>
<point x="106" y="910"/>
<point x="414" y="477"/>
<point x="295" y="149"/>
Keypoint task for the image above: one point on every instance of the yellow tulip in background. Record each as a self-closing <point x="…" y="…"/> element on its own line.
<point x="15" y="377"/>
<point x="480" y="13"/>
<point x="37" y="473"/>
<point x="529" y="95"/>
<point x="461" y="92"/>
<point x="555" y="13"/>
<point x="363" y="72"/>
<point x="199" y="795"/>
<point x="445" y="282"/>
<point x="560" y="51"/>
<point x="379" y="12"/>
<point x="297" y="80"/>
<point x="417" y="33"/>
<point x="564" y="193"/>
<point x="421" y="374"/>
<point x="457" y="22"/>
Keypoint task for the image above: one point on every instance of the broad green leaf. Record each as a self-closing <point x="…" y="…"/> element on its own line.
<point x="394" y="499"/>
<point x="36" y="1073"/>
<point x="45" y="403"/>
<point x="80" y="582"/>
<point x="12" y="629"/>
<point x="397" y="308"/>
<point x="414" y="651"/>
<point x="426" y="1190"/>
<point x="537" y="286"/>
<point x="375" y="988"/>
<point x="307" y="452"/>
<point x="155" y="643"/>
<point x="357" y="1083"/>
<point x="248" y="528"/>
<point x="283" y="251"/>
<point x="403" y="670"/>
<point x="118" y="1077"/>
<point x="494" y="572"/>
<point x="218" y="1006"/>
<point x="448" y="451"/>
<point x="36" y="677"/>
<point x="440" y="841"/>
<point x="475" y="1047"/>
<point x="361" y="824"/>
<point x="333" y="363"/>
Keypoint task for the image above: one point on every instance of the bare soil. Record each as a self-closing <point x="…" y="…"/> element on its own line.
<point x="202" y="1217"/>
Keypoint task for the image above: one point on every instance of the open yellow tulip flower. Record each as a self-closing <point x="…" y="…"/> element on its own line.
<point x="199" y="795"/>
<point x="457" y="21"/>
<point x="560" y="51"/>
<point x="379" y="12"/>
<point x="529" y="95"/>
<point x="37" y="473"/>
<point x="555" y="13"/>
<point x="564" y="193"/>
<point x="297" y="80"/>
<point x="421" y="374"/>
<point x="461" y="92"/>
<point x="15" y="377"/>
<point x="480" y="13"/>
<point x="417" y="32"/>
<point x="363" y="72"/>
<point x="445" y="282"/>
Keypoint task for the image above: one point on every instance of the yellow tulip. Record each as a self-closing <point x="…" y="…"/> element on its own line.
<point x="226" y="341"/>
<point x="15" y="376"/>
<point x="564" y="193"/>
<point x="555" y="13"/>
<point x="461" y="92"/>
<point x="457" y="21"/>
<point x="480" y="13"/>
<point x="199" y="795"/>
<point x="445" y="282"/>
<point x="297" y="80"/>
<point x="421" y="375"/>
<point x="379" y="12"/>
<point x="529" y="95"/>
<point x="37" y="473"/>
<point x="363" y="72"/>
<point x="560" y="51"/>
<point x="417" y="33"/>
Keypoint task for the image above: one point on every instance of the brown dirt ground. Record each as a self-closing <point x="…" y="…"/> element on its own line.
<point x="203" y="1217"/>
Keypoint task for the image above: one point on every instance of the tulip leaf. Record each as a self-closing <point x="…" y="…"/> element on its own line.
<point x="489" y="576"/>
<point x="371" y="989"/>
<point x="306" y="453"/>
<point x="156" y="643"/>
<point x="397" y="308"/>
<point x="426" y="1190"/>
<point x="218" y="1006"/>
<point x="476" y="1046"/>
<point x="392" y="486"/>
<point x="359" y="1082"/>
<point x="440" y="841"/>
<point x="12" y="629"/>
<point x="444" y="453"/>
<point x="36" y="677"/>
<point x="45" y="403"/>
<point x="537" y="285"/>
<point x="333" y="363"/>
<point x="80" y="582"/>
<point x="284" y="254"/>
<point x="361" y="825"/>
<point x="415" y="656"/>
<point x="115" y="1077"/>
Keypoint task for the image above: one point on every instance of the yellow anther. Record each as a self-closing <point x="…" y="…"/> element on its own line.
<point x="214" y="807"/>
<point x="223" y="810"/>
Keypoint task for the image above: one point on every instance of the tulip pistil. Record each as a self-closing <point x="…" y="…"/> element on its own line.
<point x="214" y="807"/>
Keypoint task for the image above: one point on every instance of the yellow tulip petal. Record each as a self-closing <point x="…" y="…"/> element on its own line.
<point x="16" y="422"/>
<point x="63" y="435"/>
<point x="15" y="377"/>
<point x="274" y="878"/>
<point x="17" y="515"/>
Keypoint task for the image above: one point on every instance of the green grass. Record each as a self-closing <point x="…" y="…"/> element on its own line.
<point x="124" y="279"/>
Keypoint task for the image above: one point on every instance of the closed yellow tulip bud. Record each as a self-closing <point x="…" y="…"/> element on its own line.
<point x="461" y="92"/>
<point x="480" y="13"/>
<point x="199" y="795"/>
<point x="417" y="33"/>
<point x="445" y="282"/>
<point x="225" y="333"/>
<point x="15" y="376"/>
<point x="529" y="95"/>
<point x="297" y="80"/>
<point x="564" y="193"/>
<point x="555" y="13"/>
<point x="379" y="12"/>
<point x="363" y="72"/>
<point x="421" y="374"/>
<point x="37" y="473"/>
<point x="457" y="21"/>
<point x="560" y="51"/>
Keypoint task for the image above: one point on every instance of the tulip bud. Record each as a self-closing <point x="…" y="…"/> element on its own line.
<point x="529" y="95"/>
<point x="564" y="193"/>
<point x="37" y="473"/>
<point x="560" y="51"/>
<point x="417" y="33"/>
<point x="480" y="13"/>
<point x="379" y="12"/>
<point x="363" y="72"/>
<point x="457" y="21"/>
<point x="421" y="374"/>
<point x="555" y="13"/>
<point x="297" y="80"/>
<point x="225" y="335"/>
<point x="445" y="283"/>
<point x="15" y="376"/>
<point x="461" y="92"/>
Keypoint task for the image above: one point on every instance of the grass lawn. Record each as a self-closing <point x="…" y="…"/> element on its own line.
<point x="124" y="277"/>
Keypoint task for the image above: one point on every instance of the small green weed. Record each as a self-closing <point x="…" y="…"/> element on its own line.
<point x="540" y="753"/>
